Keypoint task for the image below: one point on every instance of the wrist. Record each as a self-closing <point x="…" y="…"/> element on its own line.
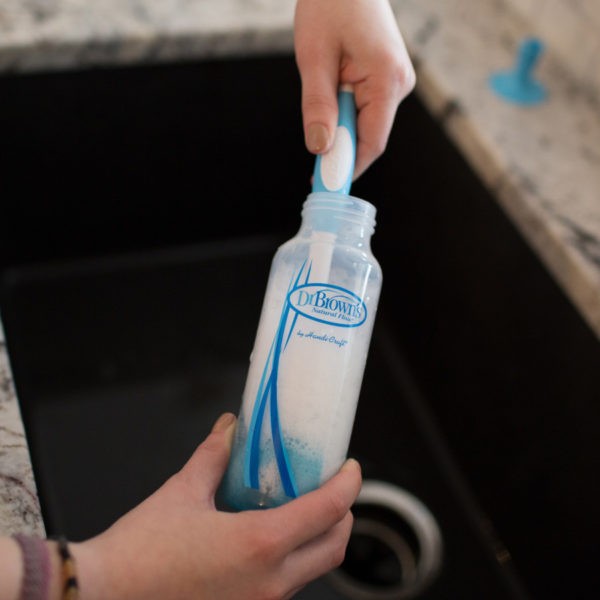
<point x="11" y="569"/>
<point x="92" y="574"/>
<point x="105" y="570"/>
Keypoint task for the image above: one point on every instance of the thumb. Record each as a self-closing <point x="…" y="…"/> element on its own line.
<point x="319" y="102"/>
<point x="209" y="461"/>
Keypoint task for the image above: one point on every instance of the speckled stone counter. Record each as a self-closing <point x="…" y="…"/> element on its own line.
<point x="55" y="34"/>
<point x="19" y="505"/>
<point x="541" y="162"/>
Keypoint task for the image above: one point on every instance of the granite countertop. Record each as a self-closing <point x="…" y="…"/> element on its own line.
<point x="542" y="162"/>
<point x="19" y="505"/>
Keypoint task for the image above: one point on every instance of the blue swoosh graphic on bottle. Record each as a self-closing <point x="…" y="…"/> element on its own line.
<point x="267" y="391"/>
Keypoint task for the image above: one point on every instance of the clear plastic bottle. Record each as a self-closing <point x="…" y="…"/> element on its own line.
<point x="309" y="355"/>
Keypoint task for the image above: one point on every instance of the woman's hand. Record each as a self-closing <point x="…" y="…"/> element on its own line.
<point x="176" y="545"/>
<point x="356" y="42"/>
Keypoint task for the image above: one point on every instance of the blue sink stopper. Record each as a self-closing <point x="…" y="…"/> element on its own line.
<point x="519" y="86"/>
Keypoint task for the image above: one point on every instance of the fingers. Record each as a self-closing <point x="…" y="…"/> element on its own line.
<point x="207" y="465"/>
<point x="317" y="512"/>
<point x="373" y="125"/>
<point x="307" y="537"/>
<point x="320" y="555"/>
<point x="377" y="100"/>
<point x="321" y="522"/>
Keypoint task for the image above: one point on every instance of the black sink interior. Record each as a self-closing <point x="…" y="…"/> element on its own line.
<point x="120" y="297"/>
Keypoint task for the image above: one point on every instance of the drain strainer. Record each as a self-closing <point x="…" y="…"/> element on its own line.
<point x="395" y="549"/>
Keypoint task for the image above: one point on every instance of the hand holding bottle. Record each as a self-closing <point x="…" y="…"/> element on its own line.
<point x="193" y="550"/>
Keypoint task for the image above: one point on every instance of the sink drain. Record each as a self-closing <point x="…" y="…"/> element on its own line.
<point x="395" y="549"/>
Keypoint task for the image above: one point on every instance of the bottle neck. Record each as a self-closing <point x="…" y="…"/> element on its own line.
<point x="347" y="219"/>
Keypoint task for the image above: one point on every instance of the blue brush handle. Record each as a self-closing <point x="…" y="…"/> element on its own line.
<point x="334" y="169"/>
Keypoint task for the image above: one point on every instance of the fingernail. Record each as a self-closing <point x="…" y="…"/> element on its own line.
<point x="223" y="422"/>
<point x="351" y="465"/>
<point x="317" y="138"/>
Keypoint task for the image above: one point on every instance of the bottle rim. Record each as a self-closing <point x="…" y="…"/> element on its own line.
<point x="352" y="206"/>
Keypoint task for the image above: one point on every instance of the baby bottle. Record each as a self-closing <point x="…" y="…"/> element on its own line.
<point x="309" y="355"/>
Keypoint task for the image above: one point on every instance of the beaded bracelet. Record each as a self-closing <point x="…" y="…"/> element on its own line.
<point x="69" y="572"/>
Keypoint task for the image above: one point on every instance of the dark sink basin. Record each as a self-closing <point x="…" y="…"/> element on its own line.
<point x="127" y="337"/>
